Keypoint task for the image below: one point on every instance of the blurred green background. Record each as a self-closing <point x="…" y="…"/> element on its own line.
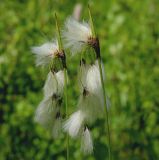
<point x="129" y="35"/>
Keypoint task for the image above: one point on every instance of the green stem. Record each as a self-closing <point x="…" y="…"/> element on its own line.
<point x="105" y="107"/>
<point x="65" y="83"/>
<point x="102" y="81"/>
<point x="66" y="109"/>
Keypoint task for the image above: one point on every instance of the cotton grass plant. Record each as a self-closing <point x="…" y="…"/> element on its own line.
<point x="48" y="113"/>
<point x="79" y="38"/>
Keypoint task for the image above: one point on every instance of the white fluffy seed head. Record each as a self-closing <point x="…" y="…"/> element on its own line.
<point x="86" y="142"/>
<point x="74" y="123"/>
<point x="56" y="130"/>
<point x="82" y="76"/>
<point x="60" y="78"/>
<point x="45" y="53"/>
<point x="76" y="35"/>
<point x="93" y="80"/>
<point x="54" y="84"/>
<point x="91" y="105"/>
<point x="45" y="112"/>
<point x="89" y="78"/>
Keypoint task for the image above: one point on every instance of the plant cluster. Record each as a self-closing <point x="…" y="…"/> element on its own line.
<point x="79" y="38"/>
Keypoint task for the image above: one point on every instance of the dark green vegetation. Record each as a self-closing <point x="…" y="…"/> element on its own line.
<point x="129" y="35"/>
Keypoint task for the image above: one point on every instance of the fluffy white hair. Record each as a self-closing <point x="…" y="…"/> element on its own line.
<point x="76" y="35"/>
<point x="54" y="84"/>
<point x="93" y="80"/>
<point x="45" y="112"/>
<point x="74" y="123"/>
<point x="45" y="53"/>
<point x="92" y="106"/>
<point x="89" y="78"/>
<point x="86" y="142"/>
<point x="82" y="76"/>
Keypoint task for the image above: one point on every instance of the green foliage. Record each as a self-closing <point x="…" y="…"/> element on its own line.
<point x="129" y="36"/>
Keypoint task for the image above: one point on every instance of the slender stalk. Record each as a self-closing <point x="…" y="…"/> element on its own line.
<point x="105" y="108"/>
<point x="103" y="87"/>
<point x="65" y="83"/>
<point x="66" y="109"/>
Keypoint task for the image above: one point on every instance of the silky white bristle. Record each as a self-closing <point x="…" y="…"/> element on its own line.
<point x="44" y="114"/>
<point x="89" y="78"/>
<point x="54" y="84"/>
<point x="92" y="104"/>
<point x="92" y="107"/>
<point x="76" y="35"/>
<point x="86" y="142"/>
<point x="82" y="76"/>
<point x="45" y="53"/>
<point x="93" y="80"/>
<point x="74" y="124"/>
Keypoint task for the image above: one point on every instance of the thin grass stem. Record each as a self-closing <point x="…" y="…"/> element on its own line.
<point x="65" y="83"/>
<point x="66" y="109"/>
<point x="105" y="107"/>
<point x="103" y="87"/>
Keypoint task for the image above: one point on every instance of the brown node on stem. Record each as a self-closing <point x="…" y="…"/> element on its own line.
<point x="54" y="96"/>
<point x="85" y="92"/>
<point x="57" y="98"/>
<point x="94" y="43"/>
<point x="60" y="101"/>
<point x="58" y="115"/>
<point x="85" y="127"/>
<point x="82" y="62"/>
<point x="53" y="70"/>
<point x="61" y="55"/>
